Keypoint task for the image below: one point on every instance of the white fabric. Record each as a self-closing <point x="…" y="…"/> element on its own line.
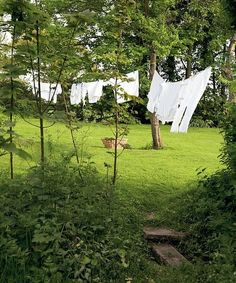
<point x="177" y="101"/>
<point x="78" y="93"/>
<point x="48" y="91"/>
<point x="168" y="101"/>
<point x="190" y="95"/>
<point x="81" y="90"/>
<point x="130" y="87"/>
<point x="94" y="90"/>
<point x="155" y="91"/>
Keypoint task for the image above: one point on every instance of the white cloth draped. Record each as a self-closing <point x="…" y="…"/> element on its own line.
<point x="48" y="91"/>
<point x="176" y="101"/>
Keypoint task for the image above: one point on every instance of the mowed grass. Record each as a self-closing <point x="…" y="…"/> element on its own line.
<point x="144" y="175"/>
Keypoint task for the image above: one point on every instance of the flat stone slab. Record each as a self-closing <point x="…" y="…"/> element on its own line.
<point x="168" y="255"/>
<point x="152" y="233"/>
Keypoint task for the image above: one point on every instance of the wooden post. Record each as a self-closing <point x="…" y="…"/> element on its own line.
<point x="155" y="124"/>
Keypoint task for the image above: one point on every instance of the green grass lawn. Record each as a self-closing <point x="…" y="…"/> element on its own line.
<point x="148" y="181"/>
<point x="139" y="169"/>
<point x="145" y="176"/>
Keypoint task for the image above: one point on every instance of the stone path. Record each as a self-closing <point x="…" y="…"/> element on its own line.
<point x="163" y="251"/>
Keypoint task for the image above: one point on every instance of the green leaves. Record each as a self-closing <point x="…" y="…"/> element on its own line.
<point x="11" y="147"/>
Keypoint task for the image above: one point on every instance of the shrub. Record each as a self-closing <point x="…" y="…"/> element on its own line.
<point x="57" y="228"/>
<point x="210" y="210"/>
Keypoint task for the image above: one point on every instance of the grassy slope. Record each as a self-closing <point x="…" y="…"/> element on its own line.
<point x="148" y="180"/>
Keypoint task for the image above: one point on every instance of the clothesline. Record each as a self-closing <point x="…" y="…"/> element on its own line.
<point x="92" y="90"/>
<point x="170" y="101"/>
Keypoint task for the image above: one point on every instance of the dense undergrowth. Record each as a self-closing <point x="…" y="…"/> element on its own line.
<point x="209" y="212"/>
<point x="57" y="228"/>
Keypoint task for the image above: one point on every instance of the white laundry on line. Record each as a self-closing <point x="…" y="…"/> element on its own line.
<point x="78" y="93"/>
<point x="191" y="94"/>
<point x="48" y="91"/>
<point x="177" y="101"/>
<point x="155" y="91"/>
<point x="91" y="89"/>
<point x="94" y="90"/>
<point x="130" y="86"/>
<point x="168" y="101"/>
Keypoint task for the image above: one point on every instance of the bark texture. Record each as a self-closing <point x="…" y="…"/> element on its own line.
<point x="155" y="124"/>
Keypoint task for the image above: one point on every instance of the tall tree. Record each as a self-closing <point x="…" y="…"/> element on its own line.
<point x="158" y="35"/>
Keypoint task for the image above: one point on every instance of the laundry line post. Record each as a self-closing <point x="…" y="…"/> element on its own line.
<point x="155" y="123"/>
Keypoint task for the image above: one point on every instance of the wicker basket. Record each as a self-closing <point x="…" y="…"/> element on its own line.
<point x="110" y="142"/>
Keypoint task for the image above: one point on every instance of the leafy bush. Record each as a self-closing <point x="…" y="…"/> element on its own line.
<point x="210" y="210"/>
<point x="57" y="228"/>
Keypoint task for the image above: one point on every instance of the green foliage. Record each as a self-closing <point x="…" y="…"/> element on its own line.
<point x="59" y="229"/>
<point x="6" y="146"/>
<point x="209" y="210"/>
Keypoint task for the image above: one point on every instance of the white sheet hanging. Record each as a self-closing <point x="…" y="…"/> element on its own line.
<point x="130" y="87"/>
<point x="78" y="93"/>
<point x="177" y="101"/>
<point x="168" y="101"/>
<point x="155" y="91"/>
<point x="48" y="91"/>
<point x="190" y="95"/>
<point x="94" y="90"/>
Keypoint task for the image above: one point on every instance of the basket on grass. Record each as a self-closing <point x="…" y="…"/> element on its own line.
<point x="110" y="142"/>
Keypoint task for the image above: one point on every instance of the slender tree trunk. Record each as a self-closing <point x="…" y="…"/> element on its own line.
<point x="12" y="105"/>
<point x="116" y="138"/>
<point x="68" y="114"/>
<point x="41" y="121"/>
<point x="155" y="124"/>
<point x="231" y="61"/>
<point x="115" y="170"/>
<point x="189" y="63"/>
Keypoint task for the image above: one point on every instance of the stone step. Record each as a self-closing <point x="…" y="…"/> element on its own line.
<point x="158" y="234"/>
<point x="168" y="255"/>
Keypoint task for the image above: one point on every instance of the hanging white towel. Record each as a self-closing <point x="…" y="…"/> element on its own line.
<point x="94" y="90"/>
<point x="155" y="91"/>
<point x="130" y="87"/>
<point x="190" y="95"/>
<point x="78" y="93"/>
<point x="48" y="91"/>
<point x="168" y="101"/>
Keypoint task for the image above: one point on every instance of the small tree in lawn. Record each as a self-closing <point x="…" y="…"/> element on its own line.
<point x="11" y="24"/>
<point x="48" y="59"/>
<point x="114" y="52"/>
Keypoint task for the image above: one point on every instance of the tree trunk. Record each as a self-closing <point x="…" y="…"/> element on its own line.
<point x="41" y="120"/>
<point x="231" y="61"/>
<point x="155" y="124"/>
<point x="12" y="105"/>
<point x="189" y="63"/>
